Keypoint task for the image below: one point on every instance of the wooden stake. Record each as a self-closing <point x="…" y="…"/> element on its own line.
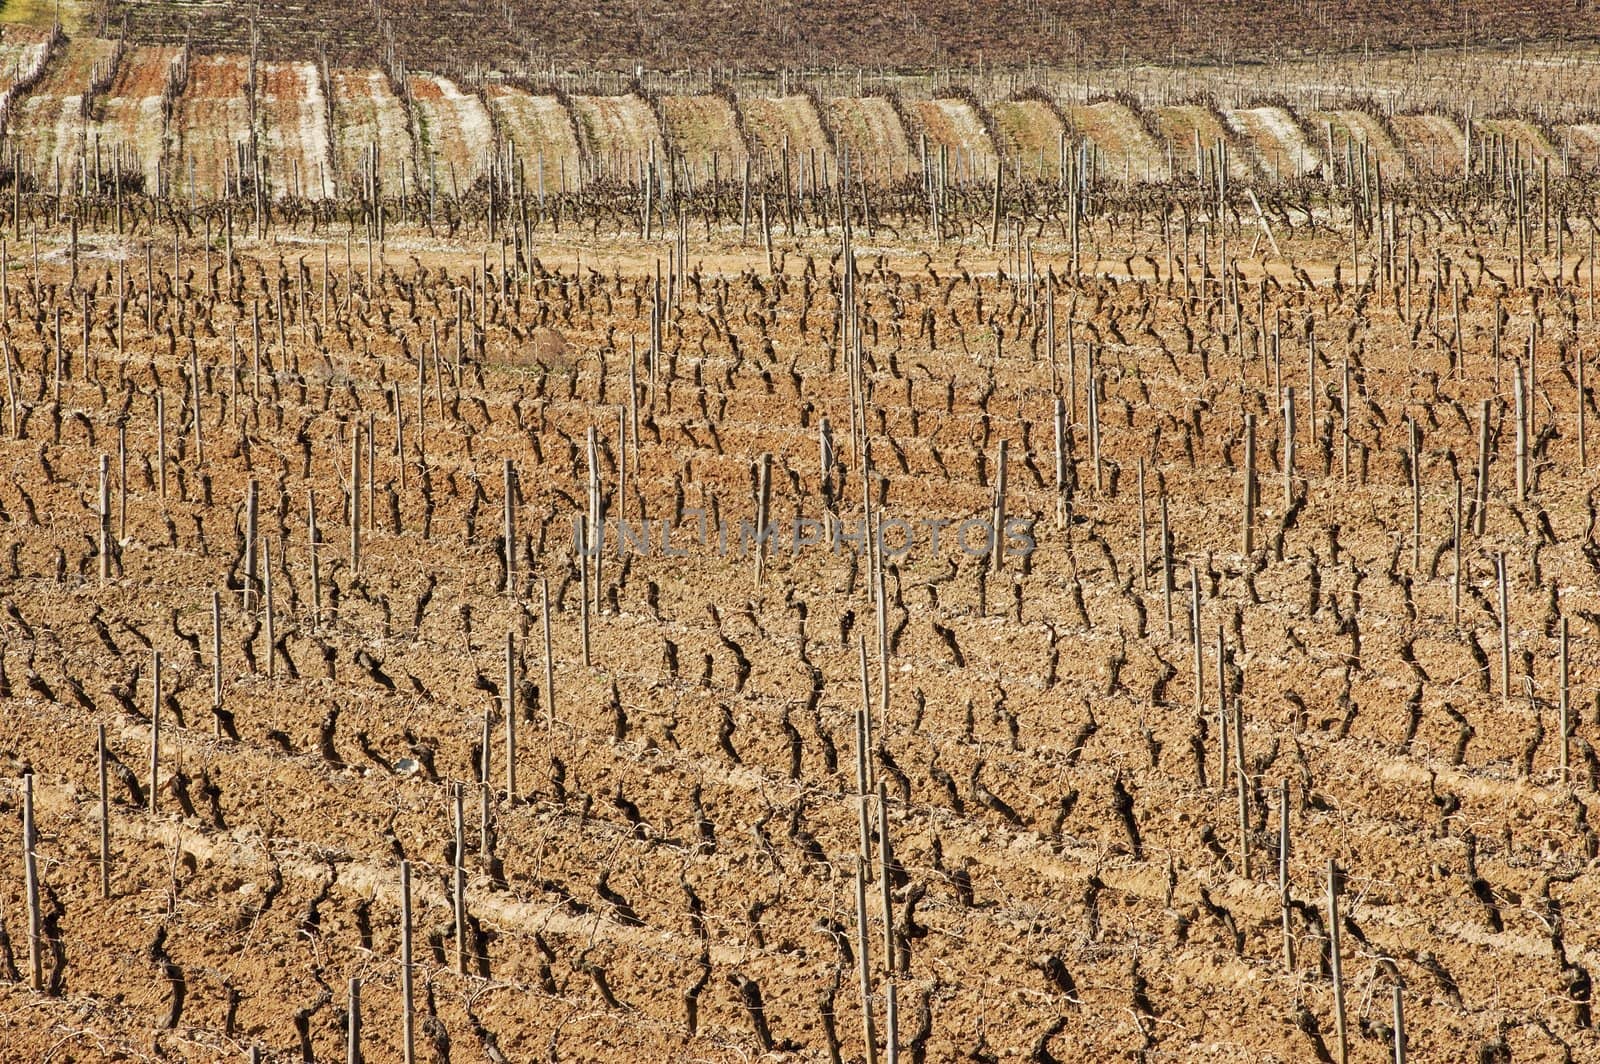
<point x="869" y="1035"/>
<point x="1399" y="1027"/>
<point x="1520" y="398"/>
<point x="1166" y="566"/>
<point x="764" y="500"/>
<point x="122" y="483"/>
<point x="1415" y="434"/>
<point x="885" y="858"/>
<point x="355" y="496"/>
<point x="1505" y="626"/>
<point x="1336" y="963"/>
<point x="510" y="530"/>
<point x="105" y="813"/>
<point x="31" y="876"/>
<point x="549" y="662"/>
<point x="1224" y="741"/>
<point x="458" y="878"/>
<point x="1194" y="640"/>
<point x="407" y="1006"/>
<point x="155" y="723"/>
<point x="1481" y="495"/>
<point x="1565" y="703"/>
<point x="583" y="587"/>
<point x="216" y="660"/>
<point x="161" y="443"/>
<point x="252" y="509"/>
<point x="1583" y="442"/>
<point x="1243" y="779"/>
<point x="352" y="1046"/>
<point x="998" y="520"/>
<point x="1248" y="531"/>
<point x="372" y="473"/>
<point x="105" y="519"/>
<point x="272" y="629"/>
<point x="1455" y="577"/>
<point x="1283" y="875"/>
<point x="1060" y="416"/>
<point x="1288" y="446"/>
<point x="511" y="717"/>
<point x="1093" y="404"/>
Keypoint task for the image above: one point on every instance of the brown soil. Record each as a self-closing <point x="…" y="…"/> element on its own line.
<point x="686" y="806"/>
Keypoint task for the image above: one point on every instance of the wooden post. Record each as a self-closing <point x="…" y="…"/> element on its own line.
<point x="407" y="1007"/>
<point x="352" y="1045"/>
<point x="1564" y="706"/>
<point x="1093" y="406"/>
<point x="1416" y="495"/>
<point x="272" y="629"/>
<point x="458" y="879"/>
<point x="885" y="857"/>
<point x="1399" y="1027"/>
<point x="1248" y="532"/>
<point x="216" y="660"/>
<point x="122" y="482"/>
<point x="998" y="519"/>
<point x="1242" y="777"/>
<point x="30" y="869"/>
<point x="372" y="471"/>
<point x="252" y="510"/>
<point x="1061" y="465"/>
<point x="763" y="506"/>
<point x="594" y="534"/>
<point x="155" y="723"/>
<point x="399" y="437"/>
<point x="1335" y="963"/>
<point x="869" y="1035"/>
<point x="511" y="717"/>
<point x="583" y="537"/>
<point x="1455" y="577"/>
<point x="1583" y="442"/>
<point x="422" y="399"/>
<point x="549" y="662"/>
<point x="1166" y="566"/>
<point x="1519" y="391"/>
<point x="11" y="387"/>
<point x="105" y="519"/>
<point x="1288" y="446"/>
<point x="1481" y="495"/>
<point x="355" y="495"/>
<point x="105" y="813"/>
<point x="1224" y="741"/>
<point x="510" y="530"/>
<point x="1283" y="875"/>
<point x="1194" y="640"/>
<point x="1505" y="625"/>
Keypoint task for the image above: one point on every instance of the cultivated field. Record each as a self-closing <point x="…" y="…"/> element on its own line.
<point x="542" y="132"/>
<point x="53" y="120"/>
<point x="456" y="34"/>
<point x="215" y="148"/>
<point x="1100" y="576"/>
<point x="294" y="115"/>
<point x="130" y="119"/>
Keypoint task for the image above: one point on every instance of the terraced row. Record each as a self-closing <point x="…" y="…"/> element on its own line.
<point x="204" y="127"/>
